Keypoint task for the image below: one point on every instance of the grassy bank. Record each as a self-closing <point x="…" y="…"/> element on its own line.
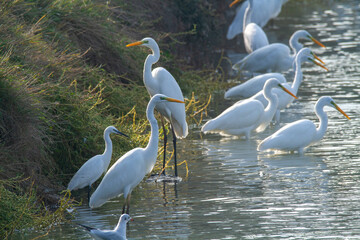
<point x="65" y="75"/>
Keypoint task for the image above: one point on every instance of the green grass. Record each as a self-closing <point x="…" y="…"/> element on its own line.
<point x="65" y="75"/>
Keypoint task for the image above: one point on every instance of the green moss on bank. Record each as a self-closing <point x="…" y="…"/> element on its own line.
<point x="65" y="76"/>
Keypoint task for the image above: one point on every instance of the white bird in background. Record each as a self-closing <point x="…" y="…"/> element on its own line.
<point x="119" y="232"/>
<point x="275" y="57"/>
<point x="252" y="86"/>
<point x="161" y="81"/>
<point x="243" y="117"/>
<point x="263" y="11"/>
<point x="254" y="36"/>
<point x="93" y="168"/>
<point x="298" y="135"/>
<point x="128" y="171"/>
<point x="285" y="100"/>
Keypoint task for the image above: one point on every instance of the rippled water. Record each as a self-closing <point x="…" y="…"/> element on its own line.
<point x="234" y="192"/>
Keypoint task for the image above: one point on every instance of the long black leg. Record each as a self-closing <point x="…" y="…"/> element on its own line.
<point x="174" y="142"/>
<point x="124" y="206"/>
<point x="128" y="204"/>
<point x="165" y="143"/>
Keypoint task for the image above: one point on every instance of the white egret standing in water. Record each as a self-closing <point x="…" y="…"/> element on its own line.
<point x="119" y="232"/>
<point x="161" y="81"/>
<point x="275" y="57"/>
<point x="93" y="168"/>
<point x="243" y="117"/>
<point x="263" y="11"/>
<point x="285" y="100"/>
<point x="128" y="171"/>
<point x="252" y="86"/>
<point x="254" y="36"/>
<point x="298" y="135"/>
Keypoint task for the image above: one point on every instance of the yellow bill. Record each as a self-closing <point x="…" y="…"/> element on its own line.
<point x="339" y="109"/>
<point x="173" y="100"/>
<point x="317" y="58"/>
<point x="319" y="64"/>
<point x="235" y="2"/>
<point x="317" y="42"/>
<point x="134" y="44"/>
<point x="286" y="90"/>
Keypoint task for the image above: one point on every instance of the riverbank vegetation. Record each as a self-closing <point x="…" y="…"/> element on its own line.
<point x="65" y="75"/>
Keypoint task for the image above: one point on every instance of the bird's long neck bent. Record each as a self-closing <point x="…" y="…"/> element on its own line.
<point x="273" y="102"/>
<point x="323" y="118"/>
<point x="298" y="76"/>
<point x="152" y="147"/>
<point x="150" y="60"/>
<point x="108" y="149"/>
<point x="247" y="15"/>
<point x="295" y="45"/>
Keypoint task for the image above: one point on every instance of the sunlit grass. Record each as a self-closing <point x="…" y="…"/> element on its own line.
<point x="65" y="75"/>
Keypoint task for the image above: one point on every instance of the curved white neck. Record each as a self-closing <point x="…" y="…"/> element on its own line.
<point x="298" y="76"/>
<point x="323" y="118"/>
<point x="108" y="149"/>
<point x="295" y="45"/>
<point x="152" y="147"/>
<point x="247" y="15"/>
<point x="273" y="103"/>
<point x="150" y="60"/>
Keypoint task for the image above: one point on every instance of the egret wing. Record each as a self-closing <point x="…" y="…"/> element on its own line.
<point x="88" y="173"/>
<point x="241" y="115"/>
<point x="174" y="112"/>
<point x="252" y="86"/>
<point x="270" y="57"/>
<point x="291" y="137"/>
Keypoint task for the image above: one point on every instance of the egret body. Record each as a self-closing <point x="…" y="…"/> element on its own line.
<point x="262" y="12"/>
<point x="275" y="57"/>
<point x="246" y="116"/>
<point x="298" y="135"/>
<point x="93" y="168"/>
<point x="128" y="171"/>
<point x="252" y="86"/>
<point x="160" y="81"/>
<point x="254" y="36"/>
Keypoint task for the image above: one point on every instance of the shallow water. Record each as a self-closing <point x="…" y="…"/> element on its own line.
<point x="234" y="192"/>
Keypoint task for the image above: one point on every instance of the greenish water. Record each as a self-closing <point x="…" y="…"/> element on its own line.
<point x="234" y="192"/>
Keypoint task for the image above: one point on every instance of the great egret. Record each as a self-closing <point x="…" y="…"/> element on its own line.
<point x="263" y="11"/>
<point x="285" y="100"/>
<point x="161" y="81"/>
<point x="252" y="86"/>
<point x="128" y="171"/>
<point x="275" y="57"/>
<point x="93" y="168"/>
<point x="298" y="135"/>
<point x="243" y="117"/>
<point x="254" y="36"/>
<point x="119" y="232"/>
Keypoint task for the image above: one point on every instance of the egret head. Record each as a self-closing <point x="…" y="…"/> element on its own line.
<point x="306" y="35"/>
<point x="147" y="42"/>
<point x="112" y="129"/>
<point x="331" y="103"/>
<point x="305" y="54"/>
<point x="273" y="82"/>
